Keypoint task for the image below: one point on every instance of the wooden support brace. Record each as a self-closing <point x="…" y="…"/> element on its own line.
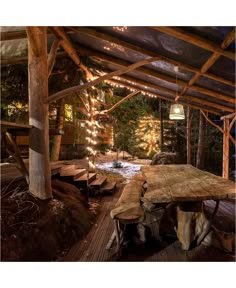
<point x="74" y="89"/>
<point x="52" y="55"/>
<point x="16" y="155"/>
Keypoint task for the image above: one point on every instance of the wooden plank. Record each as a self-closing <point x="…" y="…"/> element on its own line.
<point x="72" y="172"/>
<point x="78" y="88"/>
<point x="67" y="167"/>
<point x="195" y="40"/>
<point x="13" y="125"/>
<point x="98" y="181"/>
<point x="128" y="209"/>
<point x="84" y="177"/>
<point x="184" y="183"/>
<point x="109" y="187"/>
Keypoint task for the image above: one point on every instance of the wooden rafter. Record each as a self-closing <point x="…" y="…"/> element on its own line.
<point x="52" y="55"/>
<point x="210" y="61"/>
<point x="195" y="40"/>
<point x="171" y="92"/>
<point x="121" y="101"/>
<point x="103" y="36"/>
<point x="155" y="74"/>
<point x="131" y="86"/>
<point x="13" y="35"/>
<point x="219" y="128"/>
<point x="32" y="33"/>
<point x="68" y="47"/>
<point x="24" y="59"/>
<point x="229" y="116"/>
<point x="232" y="123"/>
<point x="78" y="88"/>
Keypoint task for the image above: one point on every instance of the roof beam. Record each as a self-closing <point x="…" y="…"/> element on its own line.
<point x="78" y="88"/>
<point x="70" y="50"/>
<point x="229" y="116"/>
<point x="103" y="36"/>
<point x="52" y="55"/>
<point x="171" y="92"/>
<point x="155" y="74"/>
<point x="210" y="61"/>
<point x="13" y="35"/>
<point x="24" y="59"/>
<point x="195" y="40"/>
<point x="164" y="97"/>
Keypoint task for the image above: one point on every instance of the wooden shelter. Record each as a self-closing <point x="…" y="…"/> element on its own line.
<point x="139" y="58"/>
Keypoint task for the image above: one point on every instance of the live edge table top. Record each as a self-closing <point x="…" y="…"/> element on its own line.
<point x="178" y="183"/>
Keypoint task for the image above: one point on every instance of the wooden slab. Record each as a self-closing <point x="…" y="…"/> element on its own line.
<point x="84" y="177"/>
<point x="98" y="182"/>
<point x="109" y="187"/>
<point x="128" y="208"/>
<point x="73" y="172"/>
<point x="184" y="183"/>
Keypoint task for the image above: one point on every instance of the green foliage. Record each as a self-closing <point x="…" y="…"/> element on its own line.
<point x="14" y="92"/>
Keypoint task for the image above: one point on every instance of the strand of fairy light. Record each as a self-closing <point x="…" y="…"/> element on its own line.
<point x="110" y="82"/>
<point x="92" y="133"/>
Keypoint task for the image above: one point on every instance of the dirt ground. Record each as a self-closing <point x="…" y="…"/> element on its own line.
<point x="36" y="230"/>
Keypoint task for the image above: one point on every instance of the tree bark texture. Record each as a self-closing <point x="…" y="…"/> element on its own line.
<point x="188" y="135"/>
<point x="161" y="125"/>
<point x="56" y="142"/>
<point x="39" y="165"/>
<point x="225" y="172"/>
<point x="201" y="142"/>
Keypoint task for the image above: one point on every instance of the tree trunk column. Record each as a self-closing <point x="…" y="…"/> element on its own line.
<point x="188" y="135"/>
<point x="56" y="143"/>
<point x="201" y="140"/>
<point x="39" y="165"/>
<point x="225" y="172"/>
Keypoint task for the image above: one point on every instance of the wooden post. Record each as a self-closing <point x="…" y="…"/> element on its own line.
<point x="188" y="135"/>
<point x="200" y="148"/>
<point x="161" y="126"/>
<point x="225" y="169"/>
<point x="39" y="165"/>
<point x="56" y="142"/>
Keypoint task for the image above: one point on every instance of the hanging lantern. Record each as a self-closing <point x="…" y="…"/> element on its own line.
<point x="177" y="112"/>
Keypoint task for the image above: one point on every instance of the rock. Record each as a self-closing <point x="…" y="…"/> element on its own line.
<point x="165" y="158"/>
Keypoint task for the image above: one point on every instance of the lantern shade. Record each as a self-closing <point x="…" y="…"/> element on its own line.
<point x="176" y="112"/>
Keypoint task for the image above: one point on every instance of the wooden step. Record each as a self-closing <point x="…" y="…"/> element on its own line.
<point x="66" y="167"/>
<point x="85" y="178"/>
<point x="109" y="187"/>
<point x="71" y="175"/>
<point x="98" y="182"/>
<point x="73" y="172"/>
<point x="55" y="169"/>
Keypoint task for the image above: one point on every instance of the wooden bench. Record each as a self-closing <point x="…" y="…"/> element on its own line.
<point x="128" y="209"/>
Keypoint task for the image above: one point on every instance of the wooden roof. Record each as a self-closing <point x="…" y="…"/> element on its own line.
<point x="205" y="57"/>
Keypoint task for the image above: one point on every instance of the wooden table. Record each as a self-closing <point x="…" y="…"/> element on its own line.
<point x="186" y="186"/>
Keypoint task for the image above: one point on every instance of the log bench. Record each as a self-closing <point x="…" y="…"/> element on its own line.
<point x="128" y="209"/>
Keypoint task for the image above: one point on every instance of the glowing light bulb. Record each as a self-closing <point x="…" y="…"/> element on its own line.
<point x="177" y="110"/>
